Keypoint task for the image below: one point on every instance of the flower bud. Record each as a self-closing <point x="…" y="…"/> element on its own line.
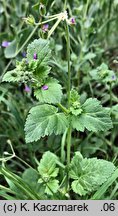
<point x="45" y="87"/>
<point x="30" y="20"/>
<point x="42" y="9"/>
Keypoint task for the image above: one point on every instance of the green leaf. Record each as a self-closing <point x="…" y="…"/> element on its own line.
<point x="20" y="184"/>
<point x="52" y="187"/>
<point x="52" y="95"/>
<point x="102" y="190"/>
<point x="44" y="120"/>
<point x="39" y="71"/>
<point x="74" y="96"/>
<point x="10" y="51"/>
<point x="89" y="174"/>
<point x="30" y="176"/>
<point x="41" y="48"/>
<point x="22" y="73"/>
<point x="103" y="74"/>
<point x="75" y="108"/>
<point x="93" y="117"/>
<point x="13" y="76"/>
<point x="89" y="56"/>
<point x="47" y="167"/>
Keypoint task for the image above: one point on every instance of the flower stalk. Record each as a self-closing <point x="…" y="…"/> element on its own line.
<point x="69" y="88"/>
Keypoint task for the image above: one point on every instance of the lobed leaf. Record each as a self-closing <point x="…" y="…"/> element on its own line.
<point x="93" y="117"/>
<point x="89" y="174"/>
<point x="13" y="76"/>
<point x="44" y="120"/>
<point x="47" y="167"/>
<point x="42" y="50"/>
<point x="103" y="74"/>
<point x="52" y="186"/>
<point x="52" y="95"/>
<point x="48" y="171"/>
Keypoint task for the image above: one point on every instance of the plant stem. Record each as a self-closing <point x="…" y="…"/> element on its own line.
<point x="86" y="9"/>
<point x="63" y="108"/>
<point x="65" y="5"/>
<point x="108" y="17"/>
<point x="69" y="88"/>
<point x="68" y="146"/>
<point x="63" y="147"/>
<point x="68" y="59"/>
<point x="110" y="92"/>
<point x="46" y="21"/>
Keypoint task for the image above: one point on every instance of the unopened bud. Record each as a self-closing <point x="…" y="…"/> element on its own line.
<point x="30" y="20"/>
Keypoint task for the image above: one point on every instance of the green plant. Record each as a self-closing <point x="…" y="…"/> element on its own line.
<point x="55" y="114"/>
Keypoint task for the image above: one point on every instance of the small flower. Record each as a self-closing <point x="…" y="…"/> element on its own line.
<point x="64" y="15"/>
<point x="72" y="21"/>
<point x="24" y="54"/>
<point x="27" y="89"/>
<point x="45" y="87"/>
<point x="5" y="43"/>
<point x="45" y="28"/>
<point x="35" y="56"/>
<point x="113" y="77"/>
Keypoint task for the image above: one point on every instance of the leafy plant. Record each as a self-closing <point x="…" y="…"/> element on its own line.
<point x="61" y="109"/>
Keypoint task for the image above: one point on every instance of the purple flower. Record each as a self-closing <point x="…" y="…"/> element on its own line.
<point x="24" y="54"/>
<point x="113" y="77"/>
<point x="5" y="43"/>
<point x="35" y="56"/>
<point x="72" y="21"/>
<point x="45" y="87"/>
<point x="45" y="28"/>
<point x="27" y="89"/>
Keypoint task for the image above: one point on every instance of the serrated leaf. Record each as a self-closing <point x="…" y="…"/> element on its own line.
<point x="75" y="111"/>
<point x="39" y="71"/>
<point x="42" y="50"/>
<point x="94" y="117"/>
<point x="48" y="171"/>
<point x="20" y="74"/>
<point x="74" y="96"/>
<point x="44" y="120"/>
<point x="52" y="95"/>
<point x="75" y="108"/>
<point x="13" y="76"/>
<point x="89" y="174"/>
<point x="103" y="74"/>
<point x="47" y="167"/>
<point x="52" y="187"/>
